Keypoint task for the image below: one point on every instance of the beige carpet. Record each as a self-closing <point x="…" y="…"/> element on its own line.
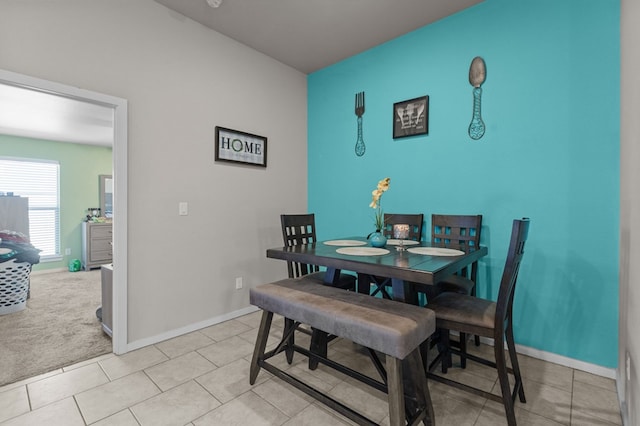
<point x="58" y="328"/>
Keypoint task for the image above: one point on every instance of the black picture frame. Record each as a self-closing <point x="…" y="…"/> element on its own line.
<point x="235" y="146"/>
<point x="411" y="117"/>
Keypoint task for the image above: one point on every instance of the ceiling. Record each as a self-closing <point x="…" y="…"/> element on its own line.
<point x="34" y="114"/>
<point x="311" y="34"/>
<point x="305" y="34"/>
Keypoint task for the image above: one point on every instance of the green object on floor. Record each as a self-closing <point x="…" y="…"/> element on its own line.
<point x="74" y="265"/>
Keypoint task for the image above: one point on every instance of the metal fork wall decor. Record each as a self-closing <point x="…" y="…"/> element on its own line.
<point x="360" y="148"/>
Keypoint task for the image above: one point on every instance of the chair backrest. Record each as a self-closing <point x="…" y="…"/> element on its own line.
<point x="299" y="229"/>
<point x="519" y="234"/>
<point x="460" y="230"/>
<point x="413" y="220"/>
<point x="456" y="229"/>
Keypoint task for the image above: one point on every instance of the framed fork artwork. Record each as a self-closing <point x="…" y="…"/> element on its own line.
<point x="411" y="117"/>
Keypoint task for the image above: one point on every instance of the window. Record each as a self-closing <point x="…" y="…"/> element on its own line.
<point x="38" y="180"/>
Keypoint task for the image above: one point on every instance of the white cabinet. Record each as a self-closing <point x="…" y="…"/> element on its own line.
<point x="96" y="244"/>
<point x="14" y="214"/>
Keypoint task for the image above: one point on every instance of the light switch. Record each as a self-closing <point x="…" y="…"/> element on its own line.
<point x="183" y="208"/>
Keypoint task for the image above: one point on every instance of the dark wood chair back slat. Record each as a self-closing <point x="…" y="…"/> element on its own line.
<point x="504" y="304"/>
<point x="462" y="230"/>
<point x="298" y="229"/>
<point x="413" y="220"/>
<point x="456" y="229"/>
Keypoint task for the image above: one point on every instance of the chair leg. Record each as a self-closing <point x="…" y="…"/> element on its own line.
<point x="503" y="378"/>
<point x="476" y="337"/>
<point x="424" y="353"/>
<point x="514" y="363"/>
<point x="463" y="350"/>
<point x="261" y="344"/>
<point x="445" y="349"/>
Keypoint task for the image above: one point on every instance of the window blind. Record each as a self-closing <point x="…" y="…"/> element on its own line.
<point x="38" y="180"/>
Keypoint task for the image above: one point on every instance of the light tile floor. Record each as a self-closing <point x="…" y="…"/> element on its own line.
<point x="202" y="378"/>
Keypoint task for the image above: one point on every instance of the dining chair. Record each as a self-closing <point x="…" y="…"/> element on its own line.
<point x="414" y="221"/>
<point x="468" y="314"/>
<point x="300" y="229"/>
<point x="458" y="230"/>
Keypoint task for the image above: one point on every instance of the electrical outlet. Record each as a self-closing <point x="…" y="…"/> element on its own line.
<point x="238" y="283"/>
<point x="628" y="367"/>
<point x="183" y="208"/>
<point x="67" y="251"/>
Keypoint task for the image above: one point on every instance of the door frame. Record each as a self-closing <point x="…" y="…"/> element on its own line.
<point x="119" y="166"/>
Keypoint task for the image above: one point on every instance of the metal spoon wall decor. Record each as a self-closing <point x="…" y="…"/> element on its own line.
<point x="477" y="76"/>
<point x="360" y="148"/>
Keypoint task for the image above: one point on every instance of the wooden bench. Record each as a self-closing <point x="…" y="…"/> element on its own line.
<point x="392" y="328"/>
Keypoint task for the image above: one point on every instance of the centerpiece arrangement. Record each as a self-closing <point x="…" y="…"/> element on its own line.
<point x="377" y="238"/>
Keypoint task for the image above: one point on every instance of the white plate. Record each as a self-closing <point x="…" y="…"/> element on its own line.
<point x="435" y="251"/>
<point x="404" y="242"/>
<point x="345" y="243"/>
<point x="362" y="251"/>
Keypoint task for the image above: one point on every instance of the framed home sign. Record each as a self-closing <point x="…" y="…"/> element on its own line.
<point x="411" y="117"/>
<point x="240" y="147"/>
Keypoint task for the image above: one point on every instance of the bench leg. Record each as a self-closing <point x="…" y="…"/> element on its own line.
<point x="288" y="349"/>
<point x="413" y="382"/>
<point x="396" y="391"/>
<point x="416" y="375"/>
<point x="261" y="344"/>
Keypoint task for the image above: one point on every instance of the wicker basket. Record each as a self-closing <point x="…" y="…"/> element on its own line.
<point x="14" y="286"/>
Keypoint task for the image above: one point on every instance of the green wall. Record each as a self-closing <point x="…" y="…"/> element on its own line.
<point x="80" y="166"/>
<point x="550" y="152"/>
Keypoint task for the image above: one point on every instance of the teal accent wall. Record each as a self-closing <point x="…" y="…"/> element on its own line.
<point x="80" y="166"/>
<point x="550" y="152"/>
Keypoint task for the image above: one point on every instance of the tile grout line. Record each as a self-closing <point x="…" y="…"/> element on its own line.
<point x="75" y="401"/>
<point x="573" y="379"/>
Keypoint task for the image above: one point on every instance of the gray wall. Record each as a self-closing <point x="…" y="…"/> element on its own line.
<point x="181" y="80"/>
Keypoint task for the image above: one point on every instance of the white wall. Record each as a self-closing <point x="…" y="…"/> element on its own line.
<point x="629" y="390"/>
<point x="181" y="80"/>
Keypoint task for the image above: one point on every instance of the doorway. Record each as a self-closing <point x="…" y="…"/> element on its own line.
<point x="119" y="150"/>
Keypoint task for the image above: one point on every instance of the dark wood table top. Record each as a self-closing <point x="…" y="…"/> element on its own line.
<point x="402" y="267"/>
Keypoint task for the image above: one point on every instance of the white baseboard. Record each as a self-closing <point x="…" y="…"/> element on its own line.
<point x="598" y="370"/>
<point x="524" y="350"/>
<point x="131" y="346"/>
<point x="561" y="360"/>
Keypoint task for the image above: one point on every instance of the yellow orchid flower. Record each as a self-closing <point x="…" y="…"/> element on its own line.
<point x="376" y="196"/>
<point x="383" y="185"/>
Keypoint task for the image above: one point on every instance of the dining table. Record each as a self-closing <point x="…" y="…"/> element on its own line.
<point x="408" y="265"/>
